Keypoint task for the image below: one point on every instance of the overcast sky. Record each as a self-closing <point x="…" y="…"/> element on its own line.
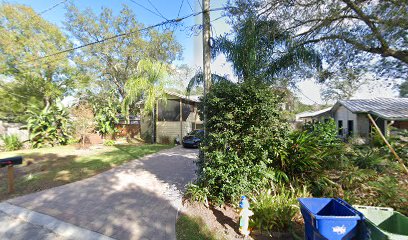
<point x="192" y="44"/>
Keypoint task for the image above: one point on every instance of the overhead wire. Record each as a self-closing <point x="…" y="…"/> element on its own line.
<point x="301" y="92"/>
<point x="181" y="5"/>
<point x="156" y="9"/>
<point x="171" y="21"/>
<point x="147" y="9"/>
<point x="189" y="4"/>
<point x="51" y="8"/>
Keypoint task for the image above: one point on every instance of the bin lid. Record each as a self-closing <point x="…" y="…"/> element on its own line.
<point x="314" y="205"/>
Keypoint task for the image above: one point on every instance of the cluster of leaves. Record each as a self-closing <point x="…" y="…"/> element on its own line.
<point x="105" y="118"/>
<point x="11" y="142"/>
<point x="275" y="208"/>
<point x="247" y="137"/>
<point x="311" y="150"/>
<point x="49" y="127"/>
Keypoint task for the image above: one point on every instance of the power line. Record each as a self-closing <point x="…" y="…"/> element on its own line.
<point x="49" y="9"/>
<point x="199" y="4"/>
<point x="181" y="5"/>
<point x="304" y="94"/>
<point x="140" y="5"/>
<point x="157" y="10"/>
<point x="171" y="21"/>
<point x="189" y="4"/>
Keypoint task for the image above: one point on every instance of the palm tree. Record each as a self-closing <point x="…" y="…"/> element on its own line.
<point x="148" y="86"/>
<point x="261" y="51"/>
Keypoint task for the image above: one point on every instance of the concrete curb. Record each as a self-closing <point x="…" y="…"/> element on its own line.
<point x="59" y="227"/>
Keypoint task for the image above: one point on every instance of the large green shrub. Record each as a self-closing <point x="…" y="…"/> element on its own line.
<point x="247" y="135"/>
<point x="11" y="142"/>
<point x="49" y="127"/>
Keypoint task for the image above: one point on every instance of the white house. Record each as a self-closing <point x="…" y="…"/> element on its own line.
<point x="351" y="116"/>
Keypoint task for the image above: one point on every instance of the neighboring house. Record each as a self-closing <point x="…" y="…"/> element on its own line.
<point x="351" y="116"/>
<point x="175" y="117"/>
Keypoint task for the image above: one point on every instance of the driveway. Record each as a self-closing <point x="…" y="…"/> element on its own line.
<point x="137" y="200"/>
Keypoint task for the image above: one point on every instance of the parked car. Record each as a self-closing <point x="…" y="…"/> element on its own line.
<point x="193" y="139"/>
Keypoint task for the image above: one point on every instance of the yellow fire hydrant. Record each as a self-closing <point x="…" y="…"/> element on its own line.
<point x="244" y="214"/>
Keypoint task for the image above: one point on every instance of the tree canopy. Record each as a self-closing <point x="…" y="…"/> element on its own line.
<point x="25" y="80"/>
<point x="370" y="34"/>
<point x="113" y="63"/>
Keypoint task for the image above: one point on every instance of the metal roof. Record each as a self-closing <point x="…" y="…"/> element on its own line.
<point x="313" y="114"/>
<point x="387" y="108"/>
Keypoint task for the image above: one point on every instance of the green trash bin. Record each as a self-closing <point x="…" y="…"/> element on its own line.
<point x="384" y="223"/>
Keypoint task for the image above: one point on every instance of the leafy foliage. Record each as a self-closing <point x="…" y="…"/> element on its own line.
<point x="148" y="84"/>
<point x="261" y="50"/>
<point x="27" y="36"/>
<point x="246" y="137"/>
<point x="11" y="142"/>
<point x="348" y="32"/>
<point x="51" y="126"/>
<point x="109" y="142"/>
<point x="105" y="118"/>
<point x="275" y="208"/>
<point x="310" y="151"/>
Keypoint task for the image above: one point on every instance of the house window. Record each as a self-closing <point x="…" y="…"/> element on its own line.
<point x="169" y="110"/>
<point x="340" y="127"/>
<point x="350" y="127"/>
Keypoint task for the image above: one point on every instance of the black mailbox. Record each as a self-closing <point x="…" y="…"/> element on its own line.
<point x="11" y="161"/>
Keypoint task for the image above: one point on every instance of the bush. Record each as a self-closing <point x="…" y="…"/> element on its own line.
<point x="11" y="142"/>
<point x="247" y="135"/>
<point x="275" y="209"/>
<point x="311" y="150"/>
<point x="109" y="142"/>
<point x="51" y="126"/>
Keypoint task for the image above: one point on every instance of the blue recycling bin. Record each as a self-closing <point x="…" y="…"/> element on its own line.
<point x="329" y="218"/>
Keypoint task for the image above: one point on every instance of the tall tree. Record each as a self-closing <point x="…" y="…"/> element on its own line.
<point x="26" y="36"/>
<point x="370" y="34"/>
<point x="113" y="63"/>
<point x="403" y="89"/>
<point x="260" y="50"/>
<point x="341" y="85"/>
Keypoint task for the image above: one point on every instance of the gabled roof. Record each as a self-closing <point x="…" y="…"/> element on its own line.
<point x="387" y="108"/>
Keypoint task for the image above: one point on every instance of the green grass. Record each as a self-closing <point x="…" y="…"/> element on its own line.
<point x="50" y="167"/>
<point x="193" y="228"/>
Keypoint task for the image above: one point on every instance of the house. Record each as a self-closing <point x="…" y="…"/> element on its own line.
<point x="351" y="116"/>
<point x="175" y="116"/>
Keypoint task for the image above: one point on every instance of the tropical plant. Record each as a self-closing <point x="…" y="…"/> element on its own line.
<point x="311" y="150"/>
<point x="11" y="142"/>
<point x="148" y="84"/>
<point x="50" y="126"/>
<point x="260" y="50"/>
<point x="106" y="117"/>
<point x="275" y="208"/>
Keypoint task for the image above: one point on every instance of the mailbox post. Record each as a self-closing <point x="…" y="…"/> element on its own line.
<point x="9" y="163"/>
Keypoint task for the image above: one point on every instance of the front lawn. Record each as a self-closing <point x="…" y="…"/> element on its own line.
<point x="50" y="167"/>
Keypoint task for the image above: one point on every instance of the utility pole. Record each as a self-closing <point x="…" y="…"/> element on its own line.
<point x="206" y="55"/>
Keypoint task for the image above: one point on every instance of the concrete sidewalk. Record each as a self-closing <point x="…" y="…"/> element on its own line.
<point x="138" y="200"/>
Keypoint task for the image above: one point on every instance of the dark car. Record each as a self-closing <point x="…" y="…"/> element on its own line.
<point x="193" y="139"/>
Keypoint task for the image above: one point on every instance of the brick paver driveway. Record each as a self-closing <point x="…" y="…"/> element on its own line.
<point x="138" y="200"/>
